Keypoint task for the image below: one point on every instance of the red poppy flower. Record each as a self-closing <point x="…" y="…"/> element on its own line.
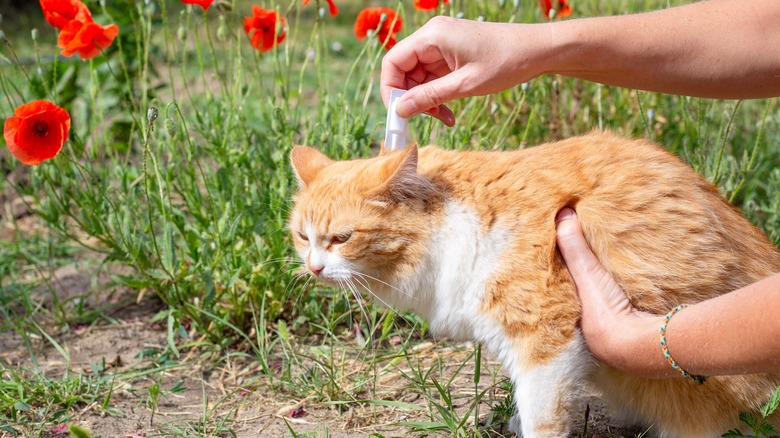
<point x="428" y="5"/>
<point x="265" y="28"/>
<point x="370" y="19"/>
<point x="60" y="12"/>
<point x="331" y="7"/>
<point x="86" y="38"/>
<point x="202" y="3"/>
<point x="36" y="131"/>
<point x="563" y="9"/>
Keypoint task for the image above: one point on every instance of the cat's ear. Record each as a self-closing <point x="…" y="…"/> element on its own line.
<point x="401" y="182"/>
<point x="307" y="163"/>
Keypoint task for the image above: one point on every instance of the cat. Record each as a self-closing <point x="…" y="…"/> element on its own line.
<point x="467" y="240"/>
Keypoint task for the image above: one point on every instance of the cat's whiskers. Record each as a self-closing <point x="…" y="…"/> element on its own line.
<point x="346" y="284"/>
<point x="355" y="293"/>
<point x="358" y="276"/>
<point x="287" y="260"/>
<point x="291" y="287"/>
<point x="362" y="275"/>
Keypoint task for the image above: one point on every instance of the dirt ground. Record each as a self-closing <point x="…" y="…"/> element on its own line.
<point x="238" y="400"/>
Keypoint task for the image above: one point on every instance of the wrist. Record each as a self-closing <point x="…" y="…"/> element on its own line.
<point x="528" y="52"/>
<point x="635" y="348"/>
<point x="566" y="42"/>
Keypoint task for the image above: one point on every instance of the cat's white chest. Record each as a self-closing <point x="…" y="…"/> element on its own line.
<point x="450" y="283"/>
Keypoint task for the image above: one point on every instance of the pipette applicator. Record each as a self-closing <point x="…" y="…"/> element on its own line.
<point x="395" y="129"/>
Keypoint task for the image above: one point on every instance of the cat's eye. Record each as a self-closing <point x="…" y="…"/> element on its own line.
<point x="302" y="236"/>
<point x="338" y="239"/>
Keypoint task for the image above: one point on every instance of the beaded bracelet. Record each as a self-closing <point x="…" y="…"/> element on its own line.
<point x="665" y="348"/>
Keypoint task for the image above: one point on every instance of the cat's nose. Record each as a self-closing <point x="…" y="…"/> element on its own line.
<point x="316" y="270"/>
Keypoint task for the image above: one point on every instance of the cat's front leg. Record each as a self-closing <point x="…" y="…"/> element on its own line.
<point x="548" y="394"/>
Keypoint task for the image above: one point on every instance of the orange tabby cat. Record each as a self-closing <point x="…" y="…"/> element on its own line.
<point x="467" y="240"/>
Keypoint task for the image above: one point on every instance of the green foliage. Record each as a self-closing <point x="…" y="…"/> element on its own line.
<point x="78" y="432"/>
<point x="33" y="401"/>
<point x="758" y="424"/>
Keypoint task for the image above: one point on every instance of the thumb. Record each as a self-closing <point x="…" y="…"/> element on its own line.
<point x="597" y="289"/>
<point x="430" y="97"/>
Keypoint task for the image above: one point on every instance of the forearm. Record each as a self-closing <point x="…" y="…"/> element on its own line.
<point x="715" y="48"/>
<point x="735" y="333"/>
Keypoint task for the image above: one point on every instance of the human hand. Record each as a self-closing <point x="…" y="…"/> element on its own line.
<point x="609" y="322"/>
<point x="451" y="58"/>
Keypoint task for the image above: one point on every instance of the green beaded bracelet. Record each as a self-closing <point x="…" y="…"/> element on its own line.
<point x="665" y="348"/>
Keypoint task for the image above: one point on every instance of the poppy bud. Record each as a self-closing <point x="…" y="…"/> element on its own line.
<point x="524" y="86"/>
<point x="552" y="14"/>
<point x="170" y="127"/>
<point x="34" y="34"/>
<point x="322" y="12"/>
<point x="221" y="29"/>
<point x="181" y="33"/>
<point x="151" y="114"/>
<point x="460" y="15"/>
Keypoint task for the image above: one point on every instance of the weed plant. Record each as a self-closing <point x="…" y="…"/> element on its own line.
<point x="177" y="168"/>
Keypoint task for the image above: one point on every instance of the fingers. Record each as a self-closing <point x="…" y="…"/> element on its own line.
<point x="596" y="287"/>
<point x="397" y="64"/>
<point x="580" y="260"/>
<point x="430" y="97"/>
<point x="416" y="64"/>
<point x="443" y="113"/>
<point x="421" y="96"/>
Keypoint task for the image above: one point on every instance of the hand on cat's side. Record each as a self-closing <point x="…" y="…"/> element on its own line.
<point x="704" y="337"/>
<point x="609" y="322"/>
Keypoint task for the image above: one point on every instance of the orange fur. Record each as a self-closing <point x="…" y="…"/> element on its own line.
<point x="665" y="234"/>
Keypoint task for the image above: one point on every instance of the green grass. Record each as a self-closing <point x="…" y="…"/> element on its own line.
<point x="194" y="202"/>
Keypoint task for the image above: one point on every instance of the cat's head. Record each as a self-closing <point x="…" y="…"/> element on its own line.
<point x="360" y="222"/>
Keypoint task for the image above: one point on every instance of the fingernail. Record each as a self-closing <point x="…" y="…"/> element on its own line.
<point x="448" y="119"/>
<point x="406" y="107"/>
<point x="565" y="213"/>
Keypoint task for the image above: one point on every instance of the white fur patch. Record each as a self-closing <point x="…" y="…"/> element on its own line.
<point x="450" y="282"/>
<point x="540" y="390"/>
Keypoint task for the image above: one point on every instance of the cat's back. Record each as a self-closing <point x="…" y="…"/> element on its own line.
<point x="662" y="230"/>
